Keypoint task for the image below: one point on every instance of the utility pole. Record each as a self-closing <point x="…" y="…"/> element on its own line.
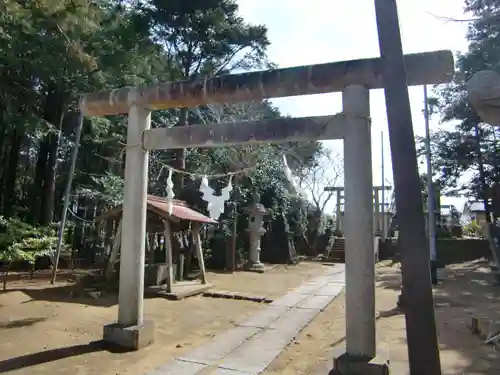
<point x="382" y="209"/>
<point x="423" y="351"/>
<point x="431" y="197"/>
<point x="67" y="196"/>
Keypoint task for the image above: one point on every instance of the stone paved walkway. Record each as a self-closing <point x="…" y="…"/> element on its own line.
<point x="250" y="346"/>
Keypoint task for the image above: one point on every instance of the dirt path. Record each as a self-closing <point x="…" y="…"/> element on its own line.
<point x="47" y="331"/>
<point x="465" y="291"/>
<point x="277" y="281"/>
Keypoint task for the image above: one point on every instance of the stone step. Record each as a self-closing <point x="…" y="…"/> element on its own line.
<point x="337" y="256"/>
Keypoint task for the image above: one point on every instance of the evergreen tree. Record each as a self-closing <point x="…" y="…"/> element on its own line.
<point x="53" y="50"/>
<point x="471" y="149"/>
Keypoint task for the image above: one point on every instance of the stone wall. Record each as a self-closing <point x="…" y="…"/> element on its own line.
<point x="448" y="250"/>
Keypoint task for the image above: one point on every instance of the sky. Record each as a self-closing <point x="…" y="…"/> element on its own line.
<point x="320" y="31"/>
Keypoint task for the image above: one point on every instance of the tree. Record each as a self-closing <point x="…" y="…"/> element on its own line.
<point x="22" y="242"/>
<point x="203" y="38"/>
<point x="469" y="151"/>
<point x="51" y="51"/>
<point x="327" y="170"/>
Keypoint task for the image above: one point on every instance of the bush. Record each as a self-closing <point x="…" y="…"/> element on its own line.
<point x="20" y="241"/>
<point x="472" y="229"/>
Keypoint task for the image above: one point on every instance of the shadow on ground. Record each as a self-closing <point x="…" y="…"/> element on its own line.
<point x="381" y="314"/>
<point x="69" y="293"/>
<point x="21" y="323"/>
<point x="52" y="355"/>
<point x="464" y="290"/>
<point x="469" y="285"/>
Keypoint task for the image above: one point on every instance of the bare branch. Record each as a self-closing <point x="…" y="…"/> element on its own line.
<point x="489" y="17"/>
<point x="327" y="172"/>
<point x="238" y="156"/>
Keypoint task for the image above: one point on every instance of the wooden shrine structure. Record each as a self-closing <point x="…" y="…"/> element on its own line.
<point x="173" y="237"/>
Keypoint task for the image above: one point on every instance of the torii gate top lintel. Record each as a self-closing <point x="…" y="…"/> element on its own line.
<point x="421" y="68"/>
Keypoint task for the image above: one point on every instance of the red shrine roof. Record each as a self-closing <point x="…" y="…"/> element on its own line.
<point x="158" y="205"/>
<point x="180" y="210"/>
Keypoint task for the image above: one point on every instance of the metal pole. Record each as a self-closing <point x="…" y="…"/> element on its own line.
<point x="423" y="352"/>
<point x="431" y="198"/>
<point x="382" y="210"/>
<point x="67" y="194"/>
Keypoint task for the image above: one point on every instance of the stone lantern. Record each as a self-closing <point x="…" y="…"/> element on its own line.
<point x="255" y="231"/>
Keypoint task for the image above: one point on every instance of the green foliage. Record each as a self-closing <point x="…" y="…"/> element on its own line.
<point x="22" y="242"/>
<point x="107" y="189"/>
<point x="205" y="36"/>
<point x="459" y="152"/>
<point x="53" y="50"/>
<point x="472" y="229"/>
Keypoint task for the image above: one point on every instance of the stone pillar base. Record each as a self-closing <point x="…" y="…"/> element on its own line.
<point x="130" y="337"/>
<point x="345" y="364"/>
<point x="254" y="267"/>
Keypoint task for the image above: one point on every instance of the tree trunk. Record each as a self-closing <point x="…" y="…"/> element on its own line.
<point x="36" y="188"/>
<point x="53" y="114"/>
<point x="49" y="183"/>
<point x="5" y="276"/>
<point x="9" y="183"/>
<point x="26" y="181"/>
<point x="2" y="158"/>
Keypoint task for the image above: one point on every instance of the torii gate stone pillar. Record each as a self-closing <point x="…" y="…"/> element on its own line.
<point x="358" y="223"/>
<point x="353" y="78"/>
<point x="131" y="331"/>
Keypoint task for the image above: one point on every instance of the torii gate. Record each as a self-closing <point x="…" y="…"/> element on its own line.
<point x="353" y="78"/>
<point x="380" y="221"/>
